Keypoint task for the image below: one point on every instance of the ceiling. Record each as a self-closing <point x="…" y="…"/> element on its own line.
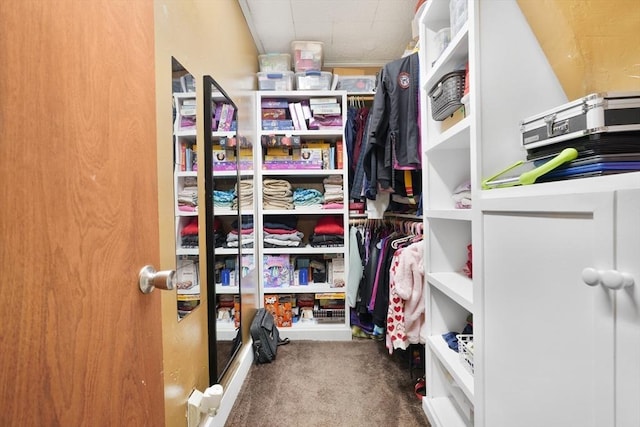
<point x="366" y="33"/>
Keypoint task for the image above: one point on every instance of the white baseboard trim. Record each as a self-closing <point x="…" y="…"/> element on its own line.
<point x="233" y="389"/>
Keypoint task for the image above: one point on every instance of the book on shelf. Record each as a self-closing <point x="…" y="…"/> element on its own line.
<point x="274" y="114"/>
<point x="224" y="109"/>
<point x="323" y="100"/>
<point x="277" y="271"/>
<point x="277" y="125"/>
<point x="188" y="110"/>
<point x="326" y="122"/>
<point x="300" y="114"/>
<point x="306" y="109"/>
<point x="337" y="276"/>
<point x="325" y="109"/>
<point x="330" y="296"/>
<point x="187" y="282"/>
<point x="182" y="162"/>
<point x="187" y="157"/>
<point x="339" y="155"/>
<point x="308" y="154"/>
<point x="278" y="153"/>
<point x="294" y="116"/>
<point x="226" y="118"/>
<point x="274" y="103"/>
<point x="325" y="149"/>
<point x="217" y="113"/>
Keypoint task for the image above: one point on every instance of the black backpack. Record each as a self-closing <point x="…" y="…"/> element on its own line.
<point x="266" y="337"/>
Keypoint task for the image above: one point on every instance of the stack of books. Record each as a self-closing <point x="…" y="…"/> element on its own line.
<point x="329" y="307"/>
<point x="274" y="114"/>
<point x="326" y="114"/>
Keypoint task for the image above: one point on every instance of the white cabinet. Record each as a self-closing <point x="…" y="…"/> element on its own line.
<point x="553" y="335"/>
<point x="549" y="337"/>
<point x="303" y="159"/>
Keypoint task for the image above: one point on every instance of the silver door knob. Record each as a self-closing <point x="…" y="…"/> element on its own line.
<point x="149" y="279"/>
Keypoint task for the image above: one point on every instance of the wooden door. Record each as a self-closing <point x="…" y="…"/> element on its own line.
<point x="548" y="348"/>
<point x="80" y="344"/>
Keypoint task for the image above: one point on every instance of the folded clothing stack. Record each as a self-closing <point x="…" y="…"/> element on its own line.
<point x="329" y="231"/>
<point x="244" y="236"/>
<point x="333" y="192"/>
<point x="188" y="195"/>
<point x="277" y="194"/>
<point x="244" y="192"/>
<point x="281" y="231"/>
<point x="189" y="234"/>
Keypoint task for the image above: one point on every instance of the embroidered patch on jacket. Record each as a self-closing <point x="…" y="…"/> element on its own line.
<point x="404" y="79"/>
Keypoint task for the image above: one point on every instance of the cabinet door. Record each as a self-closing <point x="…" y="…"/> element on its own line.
<point x="627" y="310"/>
<point x="549" y="337"/>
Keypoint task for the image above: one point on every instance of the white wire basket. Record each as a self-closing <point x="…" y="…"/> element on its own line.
<point x="465" y="351"/>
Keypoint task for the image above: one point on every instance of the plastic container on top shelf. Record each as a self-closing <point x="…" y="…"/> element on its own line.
<point x="357" y="83"/>
<point x="457" y="15"/>
<point x="274" y="62"/>
<point x="442" y="39"/>
<point x="307" y="55"/>
<point x="313" y="80"/>
<point x="282" y="80"/>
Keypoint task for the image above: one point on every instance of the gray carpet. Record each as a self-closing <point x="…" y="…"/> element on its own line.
<point x="314" y="383"/>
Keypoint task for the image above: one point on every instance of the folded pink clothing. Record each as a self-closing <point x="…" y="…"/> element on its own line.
<point x="244" y="231"/>
<point x="279" y="231"/>
<point x="333" y="206"/>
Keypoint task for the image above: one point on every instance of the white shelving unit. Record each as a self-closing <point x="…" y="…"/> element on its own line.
<point x="306" y="217"/>
<point x="185" y="175"/>
<point x="508" y="79"/>
<point x="227" y="158"/>
<point x="447" y="163"/>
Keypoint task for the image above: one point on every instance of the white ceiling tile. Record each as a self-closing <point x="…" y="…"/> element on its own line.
<point x="353" y="31"/>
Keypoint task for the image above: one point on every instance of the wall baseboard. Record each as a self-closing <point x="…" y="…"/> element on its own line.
<point x="233" y="388"/>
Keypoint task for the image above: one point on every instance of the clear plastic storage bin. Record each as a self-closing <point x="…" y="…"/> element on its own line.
<point x="457" y="15"/>
<point x="274" y="62"/>
<point x="357" y="83"/>
<point x="275" y="81"/>
<point x="313" y="80"/>
<point x="306" y="55"/>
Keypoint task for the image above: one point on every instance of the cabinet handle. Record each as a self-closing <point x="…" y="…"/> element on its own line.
<point x="611" y="279"/>
<point x="149" y="279"/>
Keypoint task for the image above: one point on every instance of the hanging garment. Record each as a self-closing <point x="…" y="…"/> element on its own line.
<point x="394" y="141"/>
<point x="409" y="286"/>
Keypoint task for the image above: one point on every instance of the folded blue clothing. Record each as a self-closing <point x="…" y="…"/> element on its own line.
<point x="303" y="194"/>
<point x="224" y="196"/>
<point x="452" y="340"/>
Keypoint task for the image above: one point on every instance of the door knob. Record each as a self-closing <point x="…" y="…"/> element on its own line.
<point x="149" y="279"/>
<point x="611" y="279"/>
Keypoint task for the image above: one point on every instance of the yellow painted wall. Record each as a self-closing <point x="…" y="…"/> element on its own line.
<point x="208" y="37"/>
<point x="592" y="45"/>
